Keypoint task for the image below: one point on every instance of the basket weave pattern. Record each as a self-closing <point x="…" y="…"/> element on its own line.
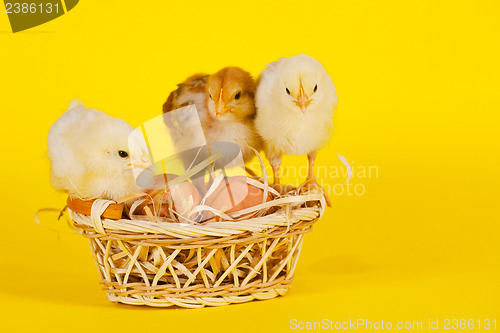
<point x="194" y="265"/>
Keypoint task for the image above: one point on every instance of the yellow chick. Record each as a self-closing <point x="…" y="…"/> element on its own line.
<point x="92" y="155"/>
<point x="295" y="100"/>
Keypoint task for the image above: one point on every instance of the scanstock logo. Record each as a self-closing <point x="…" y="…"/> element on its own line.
<point x="26" y="14"/>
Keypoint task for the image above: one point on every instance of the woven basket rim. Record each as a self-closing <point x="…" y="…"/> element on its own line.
<point x="287" y="216"/>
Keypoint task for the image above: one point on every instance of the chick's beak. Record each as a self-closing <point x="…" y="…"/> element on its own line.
<point x="220" y="107"/>
<point x="303" y="100"/>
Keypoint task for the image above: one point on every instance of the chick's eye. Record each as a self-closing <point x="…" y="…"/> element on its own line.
<point x="315" y="88"/>
<point x="287" y="91"/>
<point x="122" y="154"/>
<point x="210" y="95"/>
<point x="238" y="95"/>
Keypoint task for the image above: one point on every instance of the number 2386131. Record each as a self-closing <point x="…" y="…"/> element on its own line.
<point x="31" y="8"/>
<point x="455" y="324"/>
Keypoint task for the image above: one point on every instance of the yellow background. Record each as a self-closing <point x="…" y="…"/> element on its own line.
<point x="418" y="86"/>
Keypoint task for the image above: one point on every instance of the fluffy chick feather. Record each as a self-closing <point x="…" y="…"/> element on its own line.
<point x="185" y="127"/>
<point x="192" y="91"/>
<point x="89" y="154"/>
<point x="295" y="100"/>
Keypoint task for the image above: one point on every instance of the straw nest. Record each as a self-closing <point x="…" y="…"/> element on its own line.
<point x="231" y="258"/>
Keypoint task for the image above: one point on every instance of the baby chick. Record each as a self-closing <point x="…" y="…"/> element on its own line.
<point x="295" y="101"/>
<point x="225" y="104"/>
<point x="192" y="91"/>
<point x="90" y="157"/>
<point x="231" y="110"/>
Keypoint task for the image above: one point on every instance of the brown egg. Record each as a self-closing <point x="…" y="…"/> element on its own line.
<point x="235" y="194"/>
<point x="180" y="195"/>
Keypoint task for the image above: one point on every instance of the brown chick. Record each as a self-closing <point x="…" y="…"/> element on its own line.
<point x="225" y="105"/>
<point x="184" y="127"/>
<point x="192" y="91"/>
<point x="226" y="110"/>
<point x="231" y="110"/>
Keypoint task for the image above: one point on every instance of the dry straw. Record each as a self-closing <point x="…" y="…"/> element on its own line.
<point x="232" y="258"/>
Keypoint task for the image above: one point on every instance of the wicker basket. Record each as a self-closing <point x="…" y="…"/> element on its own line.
<point x="166" y="264"/>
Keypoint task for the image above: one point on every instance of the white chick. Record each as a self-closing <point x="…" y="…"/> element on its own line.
<point x="89" y="154"/>
<point x="295" y="100"/>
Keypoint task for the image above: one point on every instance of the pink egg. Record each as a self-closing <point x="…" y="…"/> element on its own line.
<point x="235" y="194"/>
